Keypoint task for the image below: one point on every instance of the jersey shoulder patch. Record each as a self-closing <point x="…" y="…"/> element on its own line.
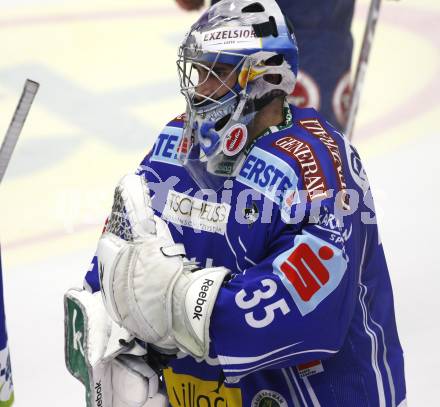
<point x="332" y="147"/>
<point x="167" y="144"/>
<point x="272" y="176"/>
<point x="303" y="154"/>
<point x="165" y="147"/>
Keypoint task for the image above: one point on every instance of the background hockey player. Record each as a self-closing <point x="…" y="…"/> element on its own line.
<point x="6" y="386"/>
<point x="325" y="43"/>
<point x="245" y="246"/>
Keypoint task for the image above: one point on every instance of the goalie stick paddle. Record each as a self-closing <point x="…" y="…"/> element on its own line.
<point x="370" y="28"/>
<point x="24" y="105"/>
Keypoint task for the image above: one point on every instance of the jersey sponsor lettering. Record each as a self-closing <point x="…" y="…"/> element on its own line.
<point x="339" y="232"/>
<point x="310" y="271"/>
<point x="314" y="127"/>
<point x="166" y="147"/>
<point x="303" y="153"/>
<point x="272" y="177"/>
<point x="189" y="391"/>
<point x="196" y="213"/>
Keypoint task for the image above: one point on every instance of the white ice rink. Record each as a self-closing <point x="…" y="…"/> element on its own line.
<point x="109" y="83"/>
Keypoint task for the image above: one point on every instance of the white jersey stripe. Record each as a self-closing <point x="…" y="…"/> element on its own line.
<point x="276" y="360"/>
<point x="311" y="392"/>
<point x="250" y="261"/>
<point x="298" y="386"/>
<point x="245" y="250"/>
<point x="374" y="345"/>
<point x="232" y="250"/>
<point x="241" y="244"/>
<point x="291" y="389"/>
<point x="239" y="360"/>
<point x="387" y="366"/>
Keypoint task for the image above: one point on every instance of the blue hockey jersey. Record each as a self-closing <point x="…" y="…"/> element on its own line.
<point x="307" y="316"/>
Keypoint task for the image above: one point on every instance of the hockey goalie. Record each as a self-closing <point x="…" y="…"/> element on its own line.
<point x="241" y="265"/>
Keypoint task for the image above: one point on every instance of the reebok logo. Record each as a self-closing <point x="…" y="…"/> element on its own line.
<point x="98" y="389"/>
<point x="201" y="299"/>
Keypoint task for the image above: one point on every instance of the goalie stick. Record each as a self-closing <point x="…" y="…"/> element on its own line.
<point x="370" y="28"/>
<point x="24" y="105"/>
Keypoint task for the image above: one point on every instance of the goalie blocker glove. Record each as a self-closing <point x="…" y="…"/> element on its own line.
<point x="147" y="284"/>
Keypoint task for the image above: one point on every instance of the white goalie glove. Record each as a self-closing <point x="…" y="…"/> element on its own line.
<point x="95" y="353"/>
<point x="148" y="286"/>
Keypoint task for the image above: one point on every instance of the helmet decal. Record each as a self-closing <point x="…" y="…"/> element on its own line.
<point x="235" y="140"/>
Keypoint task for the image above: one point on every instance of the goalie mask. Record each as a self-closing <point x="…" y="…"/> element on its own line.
<point x="236" y="59"/>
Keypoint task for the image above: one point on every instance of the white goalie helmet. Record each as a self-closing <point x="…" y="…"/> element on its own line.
<point x="248" y="50"/>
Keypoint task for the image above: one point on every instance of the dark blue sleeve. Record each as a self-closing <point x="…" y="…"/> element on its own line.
<point x="293" y="307"/>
